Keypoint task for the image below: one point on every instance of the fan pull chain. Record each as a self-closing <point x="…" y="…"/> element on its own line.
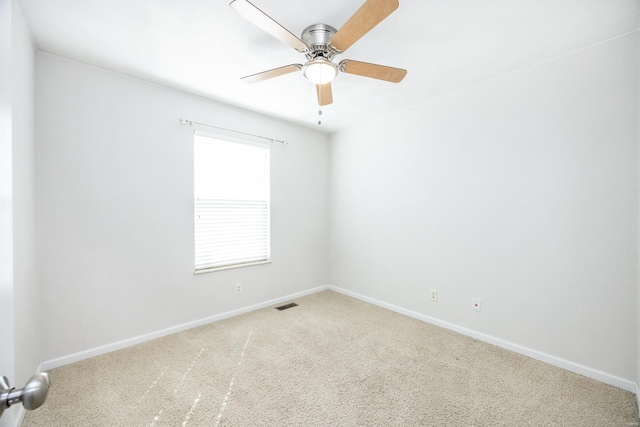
<point x="319" y="114"/>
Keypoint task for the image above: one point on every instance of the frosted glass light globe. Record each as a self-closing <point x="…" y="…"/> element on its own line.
<point x="320" y="71"/>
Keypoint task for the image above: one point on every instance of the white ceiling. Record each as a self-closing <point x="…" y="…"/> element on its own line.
<point x="204" y="47"/>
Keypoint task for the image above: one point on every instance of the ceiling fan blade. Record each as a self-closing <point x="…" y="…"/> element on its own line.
<point x="375" y="71"/>
<point x="269" y="74"/>
<point x="370" y="14"/>
<point x="264" y="21"/>
<point x="325" y="96"/>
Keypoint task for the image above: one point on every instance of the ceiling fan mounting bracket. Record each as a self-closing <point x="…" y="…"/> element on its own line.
<point x="318" y="37"/>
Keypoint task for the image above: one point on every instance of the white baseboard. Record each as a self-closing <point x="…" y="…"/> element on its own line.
<point x="552" y="360"/>
<point x="534" y="354"/>
<point x="97" y="351"/>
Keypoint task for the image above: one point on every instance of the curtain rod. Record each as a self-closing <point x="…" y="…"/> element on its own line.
<point x="191" y="123"/>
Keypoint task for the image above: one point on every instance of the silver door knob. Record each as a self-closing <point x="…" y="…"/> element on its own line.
<point x="32" y="395"/>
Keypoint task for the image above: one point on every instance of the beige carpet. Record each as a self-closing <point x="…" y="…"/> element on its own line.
<point x="331" y="361"/>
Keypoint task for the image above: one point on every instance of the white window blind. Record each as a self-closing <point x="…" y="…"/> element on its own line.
<point x="231" y="203"/>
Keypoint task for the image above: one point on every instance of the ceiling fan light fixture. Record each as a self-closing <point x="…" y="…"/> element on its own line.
<point x="320" y="71"/>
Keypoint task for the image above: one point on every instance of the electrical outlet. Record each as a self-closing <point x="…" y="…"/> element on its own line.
<point x="434" y="295"/>
<point x="238" y="288"/>
<point x="475" y="304"/>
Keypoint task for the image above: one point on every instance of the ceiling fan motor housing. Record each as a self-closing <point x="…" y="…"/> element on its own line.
<point x="318" y="37"/>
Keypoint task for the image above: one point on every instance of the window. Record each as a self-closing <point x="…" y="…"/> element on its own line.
<point x="231" y="203"/>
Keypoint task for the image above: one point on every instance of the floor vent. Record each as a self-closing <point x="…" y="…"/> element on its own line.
<point x="284" y="307"/>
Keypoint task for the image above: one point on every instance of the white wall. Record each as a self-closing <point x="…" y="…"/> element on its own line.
<point x="522" y="191"/>
<point x="26" y="290"/>
<point x="115" y="209"/>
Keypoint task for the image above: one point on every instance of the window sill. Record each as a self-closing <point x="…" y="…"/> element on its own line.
<point x="229" y="267"/>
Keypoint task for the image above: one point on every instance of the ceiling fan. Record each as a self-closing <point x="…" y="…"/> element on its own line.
<point x="320" y="43"/>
